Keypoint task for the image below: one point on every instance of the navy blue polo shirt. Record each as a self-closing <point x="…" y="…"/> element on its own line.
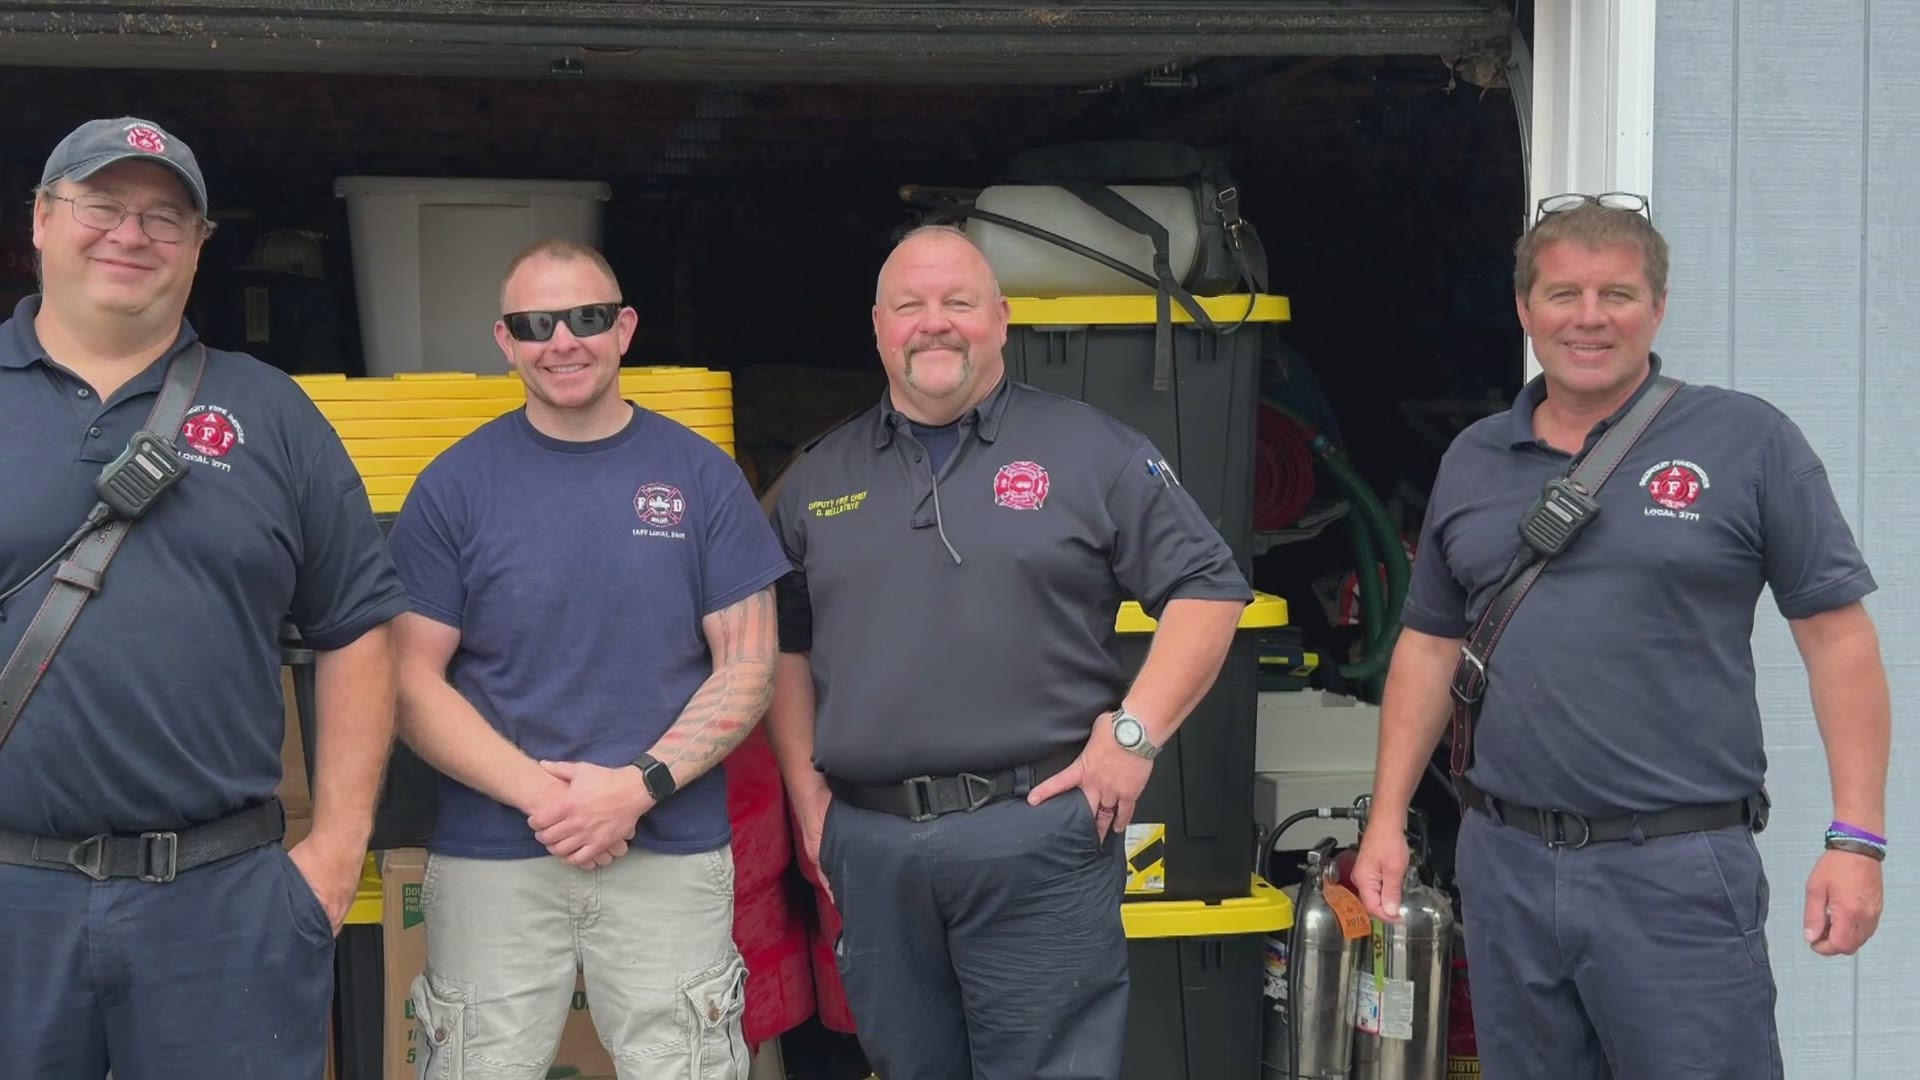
<point x="1625" y="682"/>
<point x="578" y="575"/>
<point x="967" y="622"/>
<point x="163" y="708"/>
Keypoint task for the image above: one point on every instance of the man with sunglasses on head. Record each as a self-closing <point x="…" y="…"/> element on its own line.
<point x="1608" y="753"/>
<point x="154" y="924"/>
<point x="592" y="632"/>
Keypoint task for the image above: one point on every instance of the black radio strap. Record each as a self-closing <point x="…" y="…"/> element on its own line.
<point x="1469" y="687"/>
<point x="78" y="577"/>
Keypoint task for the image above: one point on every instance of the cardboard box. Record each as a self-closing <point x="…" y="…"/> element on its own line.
<point x="403" y="929"/>
<point x="295" y="794"/>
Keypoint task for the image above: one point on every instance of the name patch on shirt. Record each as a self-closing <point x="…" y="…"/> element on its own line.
<point x="844" y="504"/>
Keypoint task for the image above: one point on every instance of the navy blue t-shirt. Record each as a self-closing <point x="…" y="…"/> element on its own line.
<point x="940" y="442"/>
<point x="163" y="708"/>
<point x="578" y="574"/>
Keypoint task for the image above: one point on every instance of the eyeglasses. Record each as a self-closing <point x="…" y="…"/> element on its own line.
<point x="587" y="320"/>
<point x="1612" y="200"/>
<point x="100" y="212"/>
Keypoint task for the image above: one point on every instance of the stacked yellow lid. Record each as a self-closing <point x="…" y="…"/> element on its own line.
<point x="394" y="426"/>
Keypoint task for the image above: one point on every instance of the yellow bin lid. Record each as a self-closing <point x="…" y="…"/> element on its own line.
<point x="1265" y="611"/>
<point x="1141" y="310"/>
<point x="1267" y="909"/>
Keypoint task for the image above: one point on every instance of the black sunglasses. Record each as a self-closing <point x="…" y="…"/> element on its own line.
<point x="584" y="321"/>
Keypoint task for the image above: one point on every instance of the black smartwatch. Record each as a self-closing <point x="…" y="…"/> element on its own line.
<point x="658" y="778"/>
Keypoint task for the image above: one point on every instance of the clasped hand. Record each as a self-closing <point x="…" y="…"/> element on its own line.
<point x="589" y="821"/>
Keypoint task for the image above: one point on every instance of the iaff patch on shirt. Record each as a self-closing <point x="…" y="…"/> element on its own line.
<point x="835" y="507"/>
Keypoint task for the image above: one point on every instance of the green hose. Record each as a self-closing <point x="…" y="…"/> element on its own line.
<point x="1376" y="543"/>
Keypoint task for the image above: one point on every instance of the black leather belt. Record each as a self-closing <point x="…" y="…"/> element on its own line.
<point x="923" y="798"/>
<point x="1562" y="828"/>
<point x="149" y="856"/>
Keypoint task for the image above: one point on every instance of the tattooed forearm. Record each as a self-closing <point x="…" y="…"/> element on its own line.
<point x="744" y="640"/>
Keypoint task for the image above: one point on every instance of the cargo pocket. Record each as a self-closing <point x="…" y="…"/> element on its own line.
<point x="442" y="1022"/>
<point x="716" y="999"/>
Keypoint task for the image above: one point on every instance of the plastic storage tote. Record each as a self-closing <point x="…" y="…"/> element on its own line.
<point x="1197" y="972"/>
<point x="1192" y="835"/>
<point x="1100" y="350"/>
<point x="429" y="254"/>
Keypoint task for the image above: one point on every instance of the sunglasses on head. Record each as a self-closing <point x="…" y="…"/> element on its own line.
<point x="584" y="321"/>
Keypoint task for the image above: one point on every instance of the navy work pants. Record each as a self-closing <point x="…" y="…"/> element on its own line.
<point x="1618" y="961"/>
<point x="984" y="945"/>
<point x="226" y="971"/>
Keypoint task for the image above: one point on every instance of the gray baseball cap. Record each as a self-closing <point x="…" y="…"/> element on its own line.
<point x="97" y="144"/>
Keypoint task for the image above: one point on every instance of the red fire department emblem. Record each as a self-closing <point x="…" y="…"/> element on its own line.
<point x="211" y="431"/>
<point x="1675" y="485"/>
<point x="1021" y="485"/>
<point x="660" y="505"/>
<point x="146" y="139"/>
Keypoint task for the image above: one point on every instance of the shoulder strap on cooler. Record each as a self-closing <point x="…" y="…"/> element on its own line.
<point x="1469" y="687"/>
<point x="77" y="578"/>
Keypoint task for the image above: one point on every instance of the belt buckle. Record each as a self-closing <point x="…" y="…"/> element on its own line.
<point x="156" y="871"/>
<point x="1553" y="829"/>
<point x="1457" y="687"/>
<point x="972" y="782"/>
<point x="919" y="798"/>
<point x="89" y="856"/>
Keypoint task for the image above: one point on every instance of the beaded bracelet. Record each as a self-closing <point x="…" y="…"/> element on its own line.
<point x="1841" y="828"/>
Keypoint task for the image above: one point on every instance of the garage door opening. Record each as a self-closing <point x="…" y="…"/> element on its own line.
<point x="748" y="218"/>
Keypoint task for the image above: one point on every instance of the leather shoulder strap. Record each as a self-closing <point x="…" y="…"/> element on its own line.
<point x="78" y="578"/>
<point x="1590" y="473"/>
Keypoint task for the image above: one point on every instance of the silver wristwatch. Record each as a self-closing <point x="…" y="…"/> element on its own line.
<point x="1131" y="734"/>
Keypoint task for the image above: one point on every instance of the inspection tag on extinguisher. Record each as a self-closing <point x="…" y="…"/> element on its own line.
<point x="1355" y="923"/>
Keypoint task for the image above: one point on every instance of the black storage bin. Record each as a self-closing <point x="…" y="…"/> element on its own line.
<point x="1100" y="350"/>
<point x="1197" y="972"/>
<point x="359" y="1002"/>
<point x="1192" y="832"/>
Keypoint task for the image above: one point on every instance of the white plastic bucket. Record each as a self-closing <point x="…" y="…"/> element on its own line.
<point x="428" y="255"/>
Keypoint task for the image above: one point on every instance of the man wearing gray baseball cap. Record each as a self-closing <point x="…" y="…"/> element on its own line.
<point x="155" y="923"/>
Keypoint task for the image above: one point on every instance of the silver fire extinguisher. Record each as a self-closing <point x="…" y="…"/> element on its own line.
<point x="1311" y="969"/>
<point x="1400" y="1011"/>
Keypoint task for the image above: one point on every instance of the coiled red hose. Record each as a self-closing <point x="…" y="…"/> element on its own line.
<point x="1282" y="472"/>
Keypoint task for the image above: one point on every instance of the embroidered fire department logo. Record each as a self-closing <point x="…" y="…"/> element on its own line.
<point x="146" y="139"/>
<point x="1021" y="485"/>
<point x="1675" y="485"/>
<point x="212" y="430"/>
<point x="661" y="506"/>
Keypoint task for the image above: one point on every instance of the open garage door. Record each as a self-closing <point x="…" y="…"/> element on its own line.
<point x="1058" y="42"/>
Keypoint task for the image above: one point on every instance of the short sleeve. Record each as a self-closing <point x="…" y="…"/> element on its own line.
<point x="790" y="592"/>
<point x="1165" y="548"/>
<point x="1436" y="602"/>
<point x="345" y="584"/>
<point x="741" y="555"/>
<point x="1812" y="562"/>
<point x="427" y="539"/>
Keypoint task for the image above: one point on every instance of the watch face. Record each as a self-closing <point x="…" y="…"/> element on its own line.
<point x="1127" y="731"/>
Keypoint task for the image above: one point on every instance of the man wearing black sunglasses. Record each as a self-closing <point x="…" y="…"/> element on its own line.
<point x="592" y="633"/>
<point x="1609" y="753"/>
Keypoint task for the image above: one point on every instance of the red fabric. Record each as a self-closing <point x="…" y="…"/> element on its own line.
<point x="829" y="993"/>
<point x="770" y="934"/>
